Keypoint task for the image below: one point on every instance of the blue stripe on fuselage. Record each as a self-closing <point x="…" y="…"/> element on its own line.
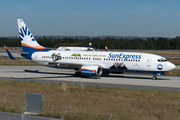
<point x="137" y="71"/>
<point x="28" y="56"/>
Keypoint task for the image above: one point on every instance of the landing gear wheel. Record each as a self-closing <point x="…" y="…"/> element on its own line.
<point x="77" y="74"/>
<point x="154" y="78"/>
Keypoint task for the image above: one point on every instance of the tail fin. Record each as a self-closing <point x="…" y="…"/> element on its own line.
<point x="106" y="48"/>
<point x="28" y="41"/>
<point x="8" y="52"/>
<point x="90" y="44"/>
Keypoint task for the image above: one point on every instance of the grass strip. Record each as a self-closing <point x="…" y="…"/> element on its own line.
<point x="88" y="102"/>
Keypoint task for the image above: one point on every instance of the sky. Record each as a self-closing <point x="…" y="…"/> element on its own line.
<point x="143" y="18"/>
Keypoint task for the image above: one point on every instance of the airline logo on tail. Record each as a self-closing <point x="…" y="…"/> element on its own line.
<point x="90" y="44"/>
<point x="24" y="32"/>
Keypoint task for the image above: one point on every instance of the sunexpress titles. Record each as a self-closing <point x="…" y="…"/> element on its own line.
<point x="125" y="56"/>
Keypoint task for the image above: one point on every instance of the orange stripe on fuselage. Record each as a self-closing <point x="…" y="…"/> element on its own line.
<point x="35" y="47"/>
<point x="88" y="69"/>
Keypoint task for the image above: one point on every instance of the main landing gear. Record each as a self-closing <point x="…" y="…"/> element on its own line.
<point x="154" y="77"/>
<point x="78" y="74"/>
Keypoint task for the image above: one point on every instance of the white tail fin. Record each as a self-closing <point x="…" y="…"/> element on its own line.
<point x="28" y="41"/>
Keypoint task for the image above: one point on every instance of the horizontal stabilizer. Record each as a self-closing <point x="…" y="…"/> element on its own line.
<point x="24" y="53"/>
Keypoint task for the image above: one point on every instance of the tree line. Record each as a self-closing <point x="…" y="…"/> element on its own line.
<point x="98" y="43"/>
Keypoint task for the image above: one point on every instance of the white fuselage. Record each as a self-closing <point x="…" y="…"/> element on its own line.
<point x="124" y="61"/>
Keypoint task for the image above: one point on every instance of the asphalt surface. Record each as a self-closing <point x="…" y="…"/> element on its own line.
<point x="52" y="75"/>
<point x="177" y="67"/>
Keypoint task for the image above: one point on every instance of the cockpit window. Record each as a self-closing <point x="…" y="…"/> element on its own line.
<point x="162" y="60"/>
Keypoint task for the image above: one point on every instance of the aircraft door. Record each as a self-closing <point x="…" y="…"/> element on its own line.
<point x="35" y="56"/>
<point x="148" y="62"/>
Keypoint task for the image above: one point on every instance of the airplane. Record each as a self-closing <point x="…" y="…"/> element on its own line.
<point x="92" y="63"/>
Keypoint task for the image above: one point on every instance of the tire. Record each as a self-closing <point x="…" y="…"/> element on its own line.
<point x="154" y="78"/>
<point x="77" y="74"/>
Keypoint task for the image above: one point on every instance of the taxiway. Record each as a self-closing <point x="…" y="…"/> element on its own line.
<point x="53" y="75"/>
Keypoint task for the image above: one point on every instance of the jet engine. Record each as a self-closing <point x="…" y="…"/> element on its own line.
<point x="91" y="70"/>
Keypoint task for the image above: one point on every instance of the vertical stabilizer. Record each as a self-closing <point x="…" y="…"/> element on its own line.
<point x="90" y="44"/>
<point x="28" y="41"/>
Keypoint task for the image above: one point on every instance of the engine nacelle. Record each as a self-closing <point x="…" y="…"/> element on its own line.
<point x="91" y="71"/>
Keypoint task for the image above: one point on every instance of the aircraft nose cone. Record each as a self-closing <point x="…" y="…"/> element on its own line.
<point x="172" y="66"/>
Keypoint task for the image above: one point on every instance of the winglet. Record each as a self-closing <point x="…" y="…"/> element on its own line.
<point x="9" y="54"/>
<point x="106" y="48"/>
<point x="90" y="44"/>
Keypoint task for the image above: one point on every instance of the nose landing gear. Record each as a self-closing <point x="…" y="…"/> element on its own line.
<point x="156" y="74"/>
